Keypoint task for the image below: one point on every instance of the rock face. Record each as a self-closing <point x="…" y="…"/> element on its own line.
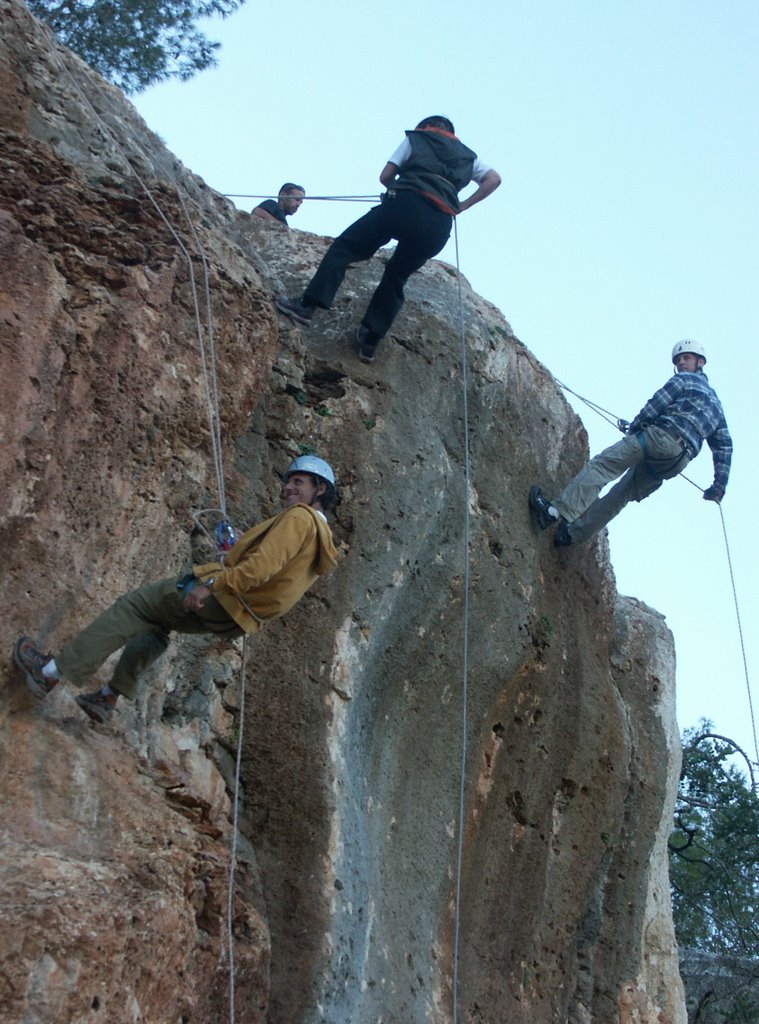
<point x="348" y="902"/>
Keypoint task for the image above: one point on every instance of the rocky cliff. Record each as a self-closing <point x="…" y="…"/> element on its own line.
<point x="115" y="840"/>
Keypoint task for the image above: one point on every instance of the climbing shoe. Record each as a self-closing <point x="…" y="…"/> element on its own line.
<point x="562" y="539"/>
<point x="31" y="662"/>
<point x="99" y="706"/>
<point x="295" y="309"/>
<point x="367" y="343"/>
<point x="545" y="514"/>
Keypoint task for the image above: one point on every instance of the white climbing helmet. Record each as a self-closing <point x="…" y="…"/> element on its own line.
<point x="310" y="464"/>
<point x="685" y="346"/>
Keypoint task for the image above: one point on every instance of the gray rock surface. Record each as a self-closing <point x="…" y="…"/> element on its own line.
<point x="355" y="706"/>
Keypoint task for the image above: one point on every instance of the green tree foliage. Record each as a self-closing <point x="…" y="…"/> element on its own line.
<point x="136" y="43"/>
<point x="714" y="849"/>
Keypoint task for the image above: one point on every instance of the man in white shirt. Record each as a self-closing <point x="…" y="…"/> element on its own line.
<point x="423" y="178"/>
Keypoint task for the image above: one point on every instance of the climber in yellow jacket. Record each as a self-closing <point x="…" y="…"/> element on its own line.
<point x="266" y="572"/>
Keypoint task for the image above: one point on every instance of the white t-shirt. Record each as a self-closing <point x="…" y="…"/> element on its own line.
<point x="403" y="152"/>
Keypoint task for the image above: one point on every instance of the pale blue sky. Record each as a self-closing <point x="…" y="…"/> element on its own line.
<point x="627" y="136"/>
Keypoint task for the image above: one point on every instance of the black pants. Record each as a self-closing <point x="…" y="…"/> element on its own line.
<point x="421" y="230"/>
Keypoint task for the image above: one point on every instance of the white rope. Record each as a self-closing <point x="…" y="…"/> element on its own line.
<point x="603" y="413"/>
<point x="307" y="199"/>
<point x="233" y="843"/>
<point x="208" y="364"/>
<point x="740" y="634"/>
<point x="465" y="651"/>
<point x="210" y="391"/>
<point x="210" y="380"/>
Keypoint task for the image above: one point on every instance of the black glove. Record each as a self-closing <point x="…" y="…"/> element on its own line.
<point x="624" y="426"/>
<point x="714" y="493"/>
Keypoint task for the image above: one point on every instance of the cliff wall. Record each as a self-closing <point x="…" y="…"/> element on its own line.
<point x="115" y="840"/>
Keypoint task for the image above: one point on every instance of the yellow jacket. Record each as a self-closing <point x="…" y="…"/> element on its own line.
<point x="271" y="566"/>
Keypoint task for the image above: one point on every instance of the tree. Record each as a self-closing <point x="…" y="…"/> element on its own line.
<point x="714" y="849"/>
<point x="136" y="43"/>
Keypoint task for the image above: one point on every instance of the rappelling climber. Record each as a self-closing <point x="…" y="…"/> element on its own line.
<point x="264" y="574"/>
<point x="288" y="202"/>
<point x="423" y="178"/>
<point x="660" y="442"/>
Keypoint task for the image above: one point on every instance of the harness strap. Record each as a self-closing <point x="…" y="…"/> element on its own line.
<point x="658" y="468"/>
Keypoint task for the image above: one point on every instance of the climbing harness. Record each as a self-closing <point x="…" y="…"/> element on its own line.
<point x="224" y="534"/>
<point x="623" y="425"/>
<point x="465" y="647"/>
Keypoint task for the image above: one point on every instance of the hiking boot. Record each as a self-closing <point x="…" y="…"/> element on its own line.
<point x="545" y="513"/>
<point x="31" y="662"/>
<point x="562" y="539"/>
<point x="99" y="706"/>
<point x="367" y="344"/>
<point x="295" y="309"/>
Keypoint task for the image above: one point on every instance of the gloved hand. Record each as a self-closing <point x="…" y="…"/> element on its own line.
<point x="624" y="426"/>
<point x="714" y="493"/>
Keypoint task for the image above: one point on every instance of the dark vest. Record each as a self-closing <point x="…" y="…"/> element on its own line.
<point x="439" y="167"/>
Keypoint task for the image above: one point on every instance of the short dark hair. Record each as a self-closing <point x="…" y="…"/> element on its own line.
<point x="290" y="187"/>
<point x="437" y="121"/>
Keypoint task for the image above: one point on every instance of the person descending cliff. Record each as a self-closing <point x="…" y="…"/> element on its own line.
<point x="266" y="572"/>
<point x="660" y="442"/>
<point x="423" y="178"/>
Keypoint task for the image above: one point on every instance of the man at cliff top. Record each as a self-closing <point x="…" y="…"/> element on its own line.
<point x="660" y="442"/>
<point x="288" y="202"/>
<point x="265" y="573"/>
<point x="423" y="178"/>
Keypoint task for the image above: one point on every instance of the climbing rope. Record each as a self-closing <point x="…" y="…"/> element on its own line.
<point x="207" y="350"/>
<point x="209" y="372"/>
<point x="307" y="199"/>
<point x="615" y="421"/>
<point x="208" y="362"/>
<point x="465" y="647"/>
<point x="740" y="634"/>
<point x="233" y="844"/>
<point x="603" y="413"/>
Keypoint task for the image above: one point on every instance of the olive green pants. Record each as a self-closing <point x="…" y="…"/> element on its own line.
<point x="141" y="622"/>
<point x="645" y="461"/>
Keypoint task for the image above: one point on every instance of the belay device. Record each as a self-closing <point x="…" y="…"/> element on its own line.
<point x="226" y="536"/>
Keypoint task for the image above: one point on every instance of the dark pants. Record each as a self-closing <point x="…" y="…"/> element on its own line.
<point x="140" y="622"/>
<point x="421" y="231"/>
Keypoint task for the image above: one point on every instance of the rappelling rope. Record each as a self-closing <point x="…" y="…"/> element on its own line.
<point x="209" y="368"/>
<point x="740" y="634"/>
<point x="603" y="413"/>
<point x="306" y="199"/>
<point x="465" y="647"/>
<point x="208" y="371"/>
<point x="233" y="843"/>
<point x="615" y="421"/>
<point x="208" y="362"/>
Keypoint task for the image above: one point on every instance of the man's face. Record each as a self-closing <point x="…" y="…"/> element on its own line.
<point x="300" y="487"/>
<point x="290" y="201"/>
<point x="688" y="362"/>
